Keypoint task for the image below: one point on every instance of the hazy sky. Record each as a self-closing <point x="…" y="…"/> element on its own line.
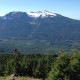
<point x="69" y="8"/>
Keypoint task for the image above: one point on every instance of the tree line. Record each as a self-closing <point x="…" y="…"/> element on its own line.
<point x="61" y="66"/>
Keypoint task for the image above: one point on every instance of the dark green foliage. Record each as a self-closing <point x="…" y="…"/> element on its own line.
<point x="50" y="67"/>
<point x="66" y="67"/>
<point x="35" y="65"/>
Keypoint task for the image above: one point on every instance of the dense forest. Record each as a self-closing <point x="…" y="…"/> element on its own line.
<point x="61" y="66"/>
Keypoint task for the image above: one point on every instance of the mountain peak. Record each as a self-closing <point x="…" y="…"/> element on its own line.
<point x="13" y="14"/>
<point x="44" y="13"/>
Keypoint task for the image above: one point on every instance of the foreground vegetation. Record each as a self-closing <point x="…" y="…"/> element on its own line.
<point x="18" y="78"/>
<point x="62" y="66"/>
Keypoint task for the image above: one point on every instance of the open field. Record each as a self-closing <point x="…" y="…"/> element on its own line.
<point x="18" y="78"/>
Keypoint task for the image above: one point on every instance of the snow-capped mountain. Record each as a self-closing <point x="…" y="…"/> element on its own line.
<point x="42" y="25"/>
<point x="44" y="13"/>
<point x="37" y="14"/>
<point x="42" y="28"/>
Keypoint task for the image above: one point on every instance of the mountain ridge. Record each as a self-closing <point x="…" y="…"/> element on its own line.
<point x="27" y="13"/>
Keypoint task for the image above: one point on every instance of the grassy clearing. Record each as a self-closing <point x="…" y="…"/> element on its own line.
<point x="19" y="78"/>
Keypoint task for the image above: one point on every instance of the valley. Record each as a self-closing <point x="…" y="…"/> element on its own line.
<point x="38" y="46"/>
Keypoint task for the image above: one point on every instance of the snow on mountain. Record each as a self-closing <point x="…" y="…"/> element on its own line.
<point x="41" y="14"/>
<point x="11" y="15"/>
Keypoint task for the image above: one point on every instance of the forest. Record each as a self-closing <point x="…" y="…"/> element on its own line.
<point x="60" y="66"/>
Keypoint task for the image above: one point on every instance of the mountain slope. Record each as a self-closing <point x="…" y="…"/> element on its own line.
<point x="39" y="25"/>
<point x="38" y="32"/>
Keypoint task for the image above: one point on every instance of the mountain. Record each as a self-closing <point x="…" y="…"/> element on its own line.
<point x="38" y="31"/>
<point x="39" y="25"/>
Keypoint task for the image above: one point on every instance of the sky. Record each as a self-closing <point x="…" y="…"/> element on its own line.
<point x="68" y="8"/>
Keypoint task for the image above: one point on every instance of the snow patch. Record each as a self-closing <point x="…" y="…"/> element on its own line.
<point x="41" y="14"/>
